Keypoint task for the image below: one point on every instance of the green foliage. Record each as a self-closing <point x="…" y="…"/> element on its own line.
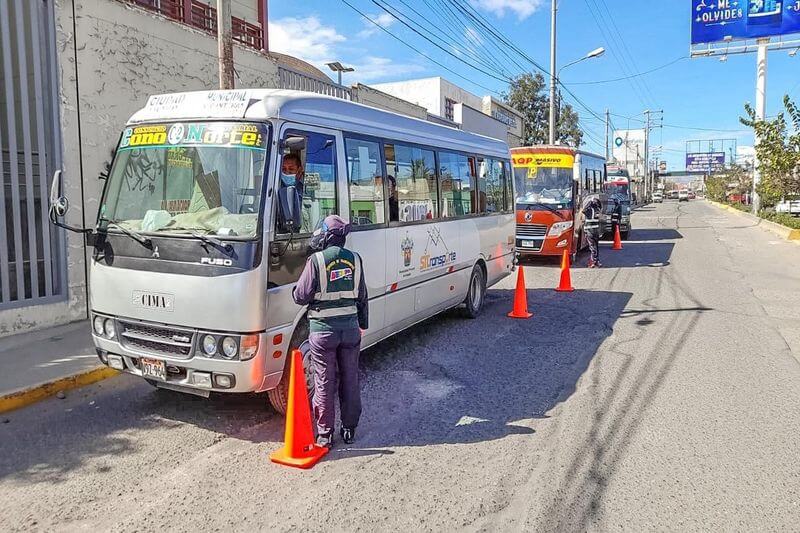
<point x="784" y="219"/>
<point x="733" y="180"/>
<point x="778" y="151"/>
<point x="716" y="188"/>
<point x="528" y="94"/>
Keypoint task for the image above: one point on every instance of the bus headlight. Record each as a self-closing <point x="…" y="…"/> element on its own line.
<point x="209" y="345"/>
<point x="558" y="228"/>
<point x="229" y="347"/>
<point x="98" y="325"/>
<point x="108" y="328"/>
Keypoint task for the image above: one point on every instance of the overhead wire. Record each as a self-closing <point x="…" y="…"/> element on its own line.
<point x="624" y="78"/>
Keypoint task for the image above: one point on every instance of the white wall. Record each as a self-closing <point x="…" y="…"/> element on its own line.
<point x="462" y="96"/>
<point x="123" y="55"/>
<point x="374" y="98"/>
<point x="426" y="92"/>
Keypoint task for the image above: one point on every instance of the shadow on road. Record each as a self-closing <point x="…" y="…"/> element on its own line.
<point x="655" y="234"/>
<point x="451" y="380"/>
<point x="632" y="255"/>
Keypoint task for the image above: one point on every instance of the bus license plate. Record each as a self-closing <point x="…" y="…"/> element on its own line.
<point x="153" y="368"/>
<point x="527" y="244"/>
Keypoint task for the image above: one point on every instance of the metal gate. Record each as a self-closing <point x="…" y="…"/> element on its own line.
<point x="32" y="265"/>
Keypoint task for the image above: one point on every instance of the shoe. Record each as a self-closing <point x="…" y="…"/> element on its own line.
<point x="325" y="440"/>
<point x="348" y="435"/>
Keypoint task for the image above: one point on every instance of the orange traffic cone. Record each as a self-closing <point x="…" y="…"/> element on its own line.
<point x="520" y="298"/>
<point x="566" y="279"/>
<point x="617" y="239"/>
<point x="299" y="449"/>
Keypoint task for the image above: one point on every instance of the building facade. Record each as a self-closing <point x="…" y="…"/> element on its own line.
<point x="448" y="101"/>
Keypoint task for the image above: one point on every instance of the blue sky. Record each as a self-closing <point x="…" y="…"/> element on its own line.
<point x="697" y="93"/>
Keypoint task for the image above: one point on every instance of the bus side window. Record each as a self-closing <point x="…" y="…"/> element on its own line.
<point x="508" y="185"/>
<point x="365" y="182"/>
<point x="309" y="164"/>
<point x="586" y="181"/>
<point x="413" y="193"/>
<point x="455" y="183"/>
<point x="494" y="184"/>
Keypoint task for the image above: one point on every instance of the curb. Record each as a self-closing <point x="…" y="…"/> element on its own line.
<point x="36" y="393"/>
<point x="790" y="234"/>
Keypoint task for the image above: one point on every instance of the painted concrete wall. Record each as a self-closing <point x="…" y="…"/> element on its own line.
<point x="426" y="92"/>
<point x="111" y="56"/>
<point x="476" y="121"/>
<point x="381" y="100"/>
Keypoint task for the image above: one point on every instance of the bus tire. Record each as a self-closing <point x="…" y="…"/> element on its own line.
<point x="476" y="293"/>
<point x="279" y="396"/>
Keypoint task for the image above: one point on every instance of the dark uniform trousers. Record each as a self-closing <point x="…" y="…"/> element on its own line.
<point x="335" y="355"/>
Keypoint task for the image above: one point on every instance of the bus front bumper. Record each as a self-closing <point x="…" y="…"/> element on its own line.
<point x="199" y="374"/>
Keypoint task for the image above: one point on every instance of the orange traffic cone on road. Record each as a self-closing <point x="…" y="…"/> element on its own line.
<point x="520" y="297"/>
<point x="617" y="239"/>
<point x="566" y="279"/>
<point x="299" y="449"/>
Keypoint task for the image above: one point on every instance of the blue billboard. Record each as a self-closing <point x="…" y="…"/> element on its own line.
<point x="715" y="20"/>
<point x="705" y="161"/>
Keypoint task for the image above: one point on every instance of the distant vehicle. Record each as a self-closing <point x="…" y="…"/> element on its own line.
<point x="551" y="184"/>
<point x="618" y="189"/>
<point x="673" y="194"/>
<point x="692" y="195"/>
<point x="789" y="206"/>
<point x="658" y="197"/>
<point x="683" y="195"/>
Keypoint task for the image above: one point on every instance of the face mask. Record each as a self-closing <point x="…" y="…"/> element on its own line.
<point x="288" y="179"/>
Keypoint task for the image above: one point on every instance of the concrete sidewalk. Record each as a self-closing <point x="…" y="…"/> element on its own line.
<point x="38" y="364"/>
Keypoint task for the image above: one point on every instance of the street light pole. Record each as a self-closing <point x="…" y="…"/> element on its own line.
<point x="608" y="126"/>
<point x="554" y="10"/>
<point x="225" y="44"/>
<point x="761" y="113"/>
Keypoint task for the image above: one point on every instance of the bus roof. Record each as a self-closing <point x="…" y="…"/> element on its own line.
<point x="553" y="149"/>
<point x="313" y="109"/>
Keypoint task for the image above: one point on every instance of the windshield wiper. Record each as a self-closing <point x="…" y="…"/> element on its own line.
<point x="553" y="210"/>
<point x="212" y="240"/>
<point x="138" y="237"/>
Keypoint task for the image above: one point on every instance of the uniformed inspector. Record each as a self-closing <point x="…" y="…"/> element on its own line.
<point x="332" y="285"/>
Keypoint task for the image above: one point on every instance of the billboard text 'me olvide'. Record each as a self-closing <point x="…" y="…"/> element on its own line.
<point x="716" y="20"/>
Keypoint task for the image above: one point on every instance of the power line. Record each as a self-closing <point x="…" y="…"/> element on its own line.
<point x="656" y="69"/>
<point x="426" y="56"/>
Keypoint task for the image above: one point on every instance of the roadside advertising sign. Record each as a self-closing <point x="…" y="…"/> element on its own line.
<point x="719" y="20"/>
<point x="705" y="162"/>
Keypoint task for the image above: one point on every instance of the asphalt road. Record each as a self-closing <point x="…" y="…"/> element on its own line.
<point x="663" y="395"/>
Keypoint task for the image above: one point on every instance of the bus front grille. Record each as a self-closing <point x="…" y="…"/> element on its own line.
<point x="531" y="230"/>
<point x="157" y="340"/>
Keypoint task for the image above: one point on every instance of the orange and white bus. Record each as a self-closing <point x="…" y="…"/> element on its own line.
<point x="551" y="185"/>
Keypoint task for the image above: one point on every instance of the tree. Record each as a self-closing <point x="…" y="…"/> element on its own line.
<point x="778" y="152"/>
<point x="733" y="180"/>
<point x="528" y="94"/>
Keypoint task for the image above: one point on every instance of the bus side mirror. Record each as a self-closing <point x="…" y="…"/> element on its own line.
<point x="59" y="205"/>
<point x="289" y="207"/>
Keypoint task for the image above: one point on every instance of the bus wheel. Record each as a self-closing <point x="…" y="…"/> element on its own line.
<point x="475" y="293"/>
<point x="279" y="396"/>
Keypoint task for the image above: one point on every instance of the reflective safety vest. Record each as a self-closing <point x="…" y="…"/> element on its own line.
<point x="592" y="221"/>
<point x="339" y="275"/>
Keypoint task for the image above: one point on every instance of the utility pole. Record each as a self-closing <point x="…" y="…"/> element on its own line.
<point x="608" y="126"/>
<point x="761" y="112"/>
<point x="225" y="43"/>
<point x="647" y="156"/>
<point x="554" y="10"/>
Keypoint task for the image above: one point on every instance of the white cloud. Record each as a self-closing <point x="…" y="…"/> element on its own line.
<point x="521" y="8"/>
<point x="306" y="38"/>
<point x="317" y="43"/>
<point x="373" y="68"/>
<point x="384" y="20"/>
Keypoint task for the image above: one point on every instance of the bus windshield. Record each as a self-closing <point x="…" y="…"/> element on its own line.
<point x="618" y="189"/>
<point x="543" y="185"/>
<point x="186" y="178"/>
